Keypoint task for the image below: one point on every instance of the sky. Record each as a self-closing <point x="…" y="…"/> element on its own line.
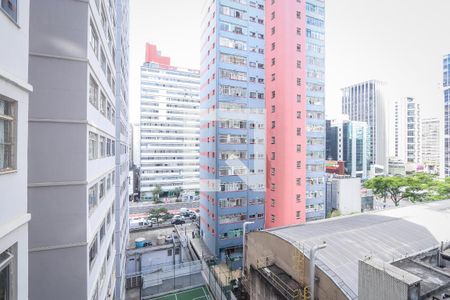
<point x="400" y="42"/>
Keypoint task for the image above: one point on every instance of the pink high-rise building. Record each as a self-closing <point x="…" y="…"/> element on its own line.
<point x="294" y="106"/>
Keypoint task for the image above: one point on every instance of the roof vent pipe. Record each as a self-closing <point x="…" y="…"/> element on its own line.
<point x="312" y="266"/>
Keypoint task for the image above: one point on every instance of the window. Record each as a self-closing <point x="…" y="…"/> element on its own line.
<point x="93" y="251"/>
<point x="273" y="94"/>
<point x="10" y="8"/>
<point x="297" y="214"/>
<point x="273" y="61"/>
<point x="273" y="30"/>
<point x="273" y="108"/>
<point x="108" y="147"/>
<point x="299" y="148"/>
<point x="299" y="131"/>
<point x="273" y="124"/>
<point x="273" y="77"/>
<point x="273" y="46"/>
<point x="299" y="15"/>
<point x="299" y="115"/>
<point x="102" y="232"/>
<point x="299" y="98"/>
<point x="273" y="140"/>
<point x="299" y="164"/>
<point x="272" y="202"/>
<point x="272" y="15"/>
<point x="102" y="146"/>
<point x="8" y="271"/>
<point x="93" y="145"/>
<point x="272" y="171"/>
<point x="299" y="81"/>
<point x="93" y="38"/>
<point x="298" y="181"/>
<point x="102" y="188"/>
<point x="169" y="252"/>
<point x="273" y="155"/>
<point x="93" y="200"/>
<point x="272" y="217"/>
<point x="298" y="198"/>
<point x="7" y="135"/>
<point x="299" y="31"/>
<point x="93" y="92"/>
<point x="299" y="64"/>
<point x="102" y="104"/>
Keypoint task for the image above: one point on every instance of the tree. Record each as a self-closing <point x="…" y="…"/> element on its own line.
<point x="395" y="187"/>
<point x="177" y="192"/>
<point x="157" y="191"/>
<point x="159" y="213"/>
<point x="421" y="187"/>
<point x="379" y="187"/>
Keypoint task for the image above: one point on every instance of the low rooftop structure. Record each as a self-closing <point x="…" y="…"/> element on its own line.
<point x="390" y="236"/>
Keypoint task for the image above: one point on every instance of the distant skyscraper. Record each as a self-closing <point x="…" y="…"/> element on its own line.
<point x="295" y="73"/>
<point x="347" y="141"/>
<point x="431" y="139"/>
<point x="169" y="127"/>
<point x="78" y="149"/>
<point x="406" y="128"/>
<point x="232" y="145"/>
<point x="14" y="94"/>
<point x="365" y="102"/>
<point x="446" y="84"/>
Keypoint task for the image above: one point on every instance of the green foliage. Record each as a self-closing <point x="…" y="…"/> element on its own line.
<point x="418" y="187"/>
<point x="160" y="213"/>
<point x="177" y="192"/>
<point x="157" y="191"/>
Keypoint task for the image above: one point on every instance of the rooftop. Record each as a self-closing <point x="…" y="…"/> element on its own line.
<point x="390" y="235"/>
<point x="149" y="235"/>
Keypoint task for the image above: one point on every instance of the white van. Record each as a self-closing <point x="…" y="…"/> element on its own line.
<point x="138" y="223"/>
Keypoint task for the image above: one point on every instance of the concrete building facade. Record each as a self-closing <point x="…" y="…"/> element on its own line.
<point x="405" y="125"/>
<point x="295" y="87"/>
<point x="79" y="203"/>
<point x="169" y="125"/>
<point x="446" y="85"/>
<point x="366" y="102"/>
<point x="347" y="141"/>
<point x="14" y="95"/>
<point x="232" y="124"/>
<point x="431" y="140"/>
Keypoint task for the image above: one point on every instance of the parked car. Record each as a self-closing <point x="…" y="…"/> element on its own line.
<point x="178" y="217"/>
<point x="178" y="222"/>
<point x="193" y="216"/>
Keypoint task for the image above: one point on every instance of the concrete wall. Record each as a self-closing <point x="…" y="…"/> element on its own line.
<point x="283" y="254"/>
<point x="14" y="86"/>
<point x="378" y="280"/>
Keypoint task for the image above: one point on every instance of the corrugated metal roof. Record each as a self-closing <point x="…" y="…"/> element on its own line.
<point x="388" y="235"/>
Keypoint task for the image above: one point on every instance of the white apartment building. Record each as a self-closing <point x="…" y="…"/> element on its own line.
<point x="169" y="126"/>
<point x="405" y="126"/>
<point x="366" y="102"/>
<point x="431" y="139"/>
<point x="14" y="94"/>
<point x="78" y="149"/>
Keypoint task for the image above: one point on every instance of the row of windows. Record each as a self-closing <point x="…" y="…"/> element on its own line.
<point x="98" y="191"/>
<point x="100" y="146"/>
<point x="100" y="54"/>
<point x="98" y="99"/>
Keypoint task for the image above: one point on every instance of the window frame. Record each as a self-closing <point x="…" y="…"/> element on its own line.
<point x="9" y="116"/>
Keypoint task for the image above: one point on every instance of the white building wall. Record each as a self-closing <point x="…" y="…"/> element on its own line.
<point x="169" y="129"/>
<point x="431" y="139"/>
<point x="76" y="239"/>
<point x="406" y="132"/>
<point x="15" y="89"/>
